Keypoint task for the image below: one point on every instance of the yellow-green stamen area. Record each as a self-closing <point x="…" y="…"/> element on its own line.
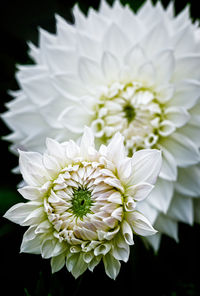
<point x="81" y="202"/>
<point x="129" y="112"/>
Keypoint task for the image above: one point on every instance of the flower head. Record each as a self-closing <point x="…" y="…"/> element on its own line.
<point x="82" y="202"/>
<point x="114" y="70"/>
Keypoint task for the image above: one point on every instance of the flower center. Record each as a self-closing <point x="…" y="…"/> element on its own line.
<point x="78" y="204"/>
<point x="129" y="112"/>
<point x="81" y="202"/>
<point x="133" y="110"/>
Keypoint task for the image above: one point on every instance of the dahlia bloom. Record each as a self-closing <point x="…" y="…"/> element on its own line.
<point x="82" y="202"/>
<point x="114" y="70"/>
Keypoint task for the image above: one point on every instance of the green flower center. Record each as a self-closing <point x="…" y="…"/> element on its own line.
<point x="81" y="202"/>
<point x="129" y="112"/>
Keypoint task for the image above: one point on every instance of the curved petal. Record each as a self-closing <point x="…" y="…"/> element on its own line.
<point x="181" y="209"/>
<point x="90" y="72"/>
<point x="165" y="64"/>
<point x="116" y="150"/>
<point x="167" y="226"/>
<point x="146" y="166"/>
<point x="31" y="245"/>
<point x="112" y="266"/>
<point x="110" y="66"/>
<point x="75" y="118"/>
<point x="188" y="182"/>
<point x="154" y="241"/>
<point x="115" y="40"/>
<point x="140" y="191"/>
<point x="179" y="116"/>
<point x="19" y="212"/>
<point x="183" y="149"/>
<point x="140" y="224"/>
<point x="87" y="142"/>
<point x="57" y="262"/>
<point x="161" y="196"/>
<point x="169" y="167"/>
<point x="32" y="168"/>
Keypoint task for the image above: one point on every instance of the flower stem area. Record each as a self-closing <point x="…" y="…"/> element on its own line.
<point x="174" y="271"/>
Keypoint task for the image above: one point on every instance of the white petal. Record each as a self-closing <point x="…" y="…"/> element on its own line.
<point x="166" y="128"/>
<point x="75" y="118"/>
<point x="55" y="149"/>
<point x="87" y="257"/>
<point x="121" y="249"/>
<point x="125" y="169"/>
<point x="139" y="191"/>
<point x="79" y="267"/>
<point x="140" y="224"/>
<point x="57" y="262"/>
<point x="192" y="132"/>
<point x="32" y="168"/>
<point x="186" y="94"/>
<point x="35" y="217"/>
<point x="112" y="266"/>
<point x="80" y="18"/>
<point x="181" y="209"/>
<point x="146" y="166"/>
<point x="31" y="193"/>
<point x="31" y="245"/>
<point x="164" y="63"/>
<point x="148" y="211"/>
<point x="115" y="40"/>
<point x="47" y="248"/>
<point x="187" y="67"/>
<point x="167" y="226"/>
<point x="60" y="58"/>
<point x="188" y="182"/>
<point x="158" y="36"/>
<point x="87" y="142"/>
<point x="154" y="241"/>
<point x="105" y="8"/>
<point x="116" y="150"/>
<point x="135" y="58"/>
<point x="95" y="261"/>
<point x="127" y="233"/>
<point x="165" y="92"/>
<point x="102" y="249"/>
<point x="19" y="212"/>
<point x="51" y="165"/>
<point x="169" y="168"/>
<point x="183" y="150"/>
<point x="184" y="40"/>
<point x="71" y="260"/>
<point x="110" y="66"/>
<point x="72" y="83"/>
<point x="38" y="88"/>
<point x="179" y="116"/>
<point x="89" y="72"/>
<point x="161" y="195"/>
<point x="146" y="74"/>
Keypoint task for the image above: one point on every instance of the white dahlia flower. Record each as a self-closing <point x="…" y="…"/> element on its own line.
<point x="114" y="70"/>
<point x="82" y="202"/>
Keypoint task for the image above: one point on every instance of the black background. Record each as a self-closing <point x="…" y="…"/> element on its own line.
<point x="175" y="270"/>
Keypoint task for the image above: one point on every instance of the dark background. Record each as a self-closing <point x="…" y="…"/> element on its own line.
<point x="174" y="271"/>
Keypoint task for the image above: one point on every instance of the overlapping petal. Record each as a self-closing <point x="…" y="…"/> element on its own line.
<point x="81" y="205"/>
<point x="117" y="71"/>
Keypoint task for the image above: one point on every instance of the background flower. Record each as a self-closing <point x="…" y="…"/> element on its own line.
<point x="178" y="263"/>
<point x="82" y="202"/>
<point x="116" y="71"/>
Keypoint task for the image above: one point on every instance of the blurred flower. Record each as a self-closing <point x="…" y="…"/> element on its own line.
<point x="82" y="202"/>
<point x="119" y="71"/>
